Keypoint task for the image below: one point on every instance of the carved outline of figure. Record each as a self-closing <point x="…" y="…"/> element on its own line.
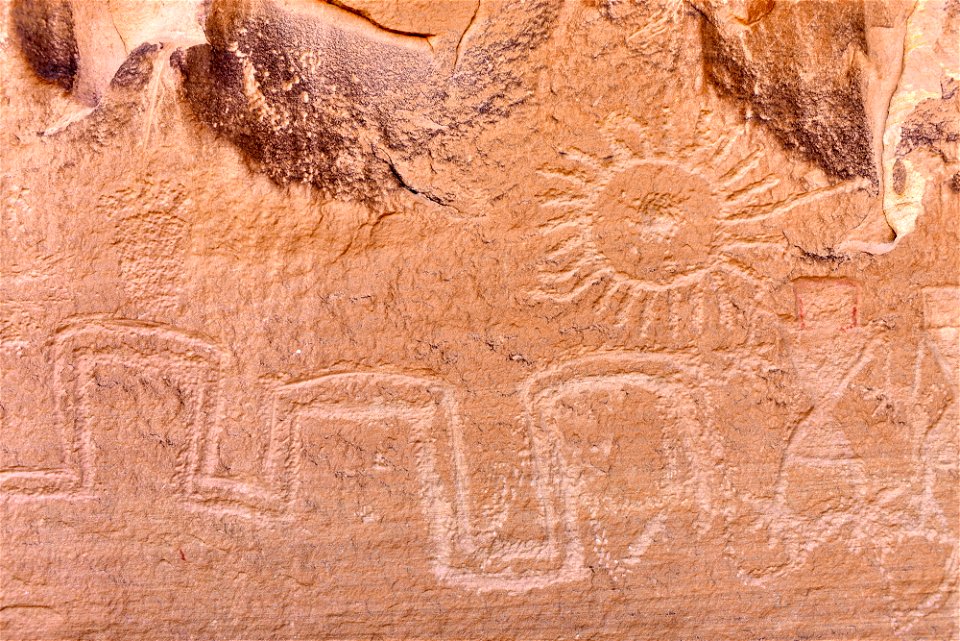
<point x="435" y="418"/>
<point x="127" y="343"/>
<point x="661" y="374"/>
<point x="443" y="477"/>
<point x="850" y="350"/>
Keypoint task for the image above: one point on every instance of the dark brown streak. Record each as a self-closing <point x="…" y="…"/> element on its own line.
<point x="473" y="18"/>
<point x="362" y="14"/>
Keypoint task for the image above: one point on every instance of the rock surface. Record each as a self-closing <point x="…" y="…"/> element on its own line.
<point x="471" y="319"/>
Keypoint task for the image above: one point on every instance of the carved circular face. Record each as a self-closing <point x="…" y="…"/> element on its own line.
<point x="655" y="222"/>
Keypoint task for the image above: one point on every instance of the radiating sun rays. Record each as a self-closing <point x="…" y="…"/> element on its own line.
<point x="655" y="230"/>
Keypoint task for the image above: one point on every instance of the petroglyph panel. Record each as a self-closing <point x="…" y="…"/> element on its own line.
<point x="624" y="491"/>
<point x="104" y="374"/>
<point x="475" y="319"/>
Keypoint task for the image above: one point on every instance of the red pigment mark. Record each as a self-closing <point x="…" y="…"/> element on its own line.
<point x="182" y="555"/>
<point x="836" y="284"/>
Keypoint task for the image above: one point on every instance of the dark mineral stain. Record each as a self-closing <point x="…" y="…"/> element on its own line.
<point x="934" y="123"/>
<point x="44" y="30"/>
<point x="313" y="101"/>
<point x="791" y="66"/>
<point x="899" y="177"/>
<point x="135" y="71"/>
<point x="301" y="100"/>
<point x="920" y="134"/>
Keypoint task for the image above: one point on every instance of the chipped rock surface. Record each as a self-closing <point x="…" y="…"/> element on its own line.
<point x="472" y="319"/>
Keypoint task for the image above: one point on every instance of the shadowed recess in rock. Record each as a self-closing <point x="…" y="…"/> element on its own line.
<point x="811" y="99"/>
<point x="45" y="32"/>
<point x="314" y="93"/>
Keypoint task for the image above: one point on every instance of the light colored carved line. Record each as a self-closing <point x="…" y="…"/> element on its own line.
<point x="607" y="363"/>
<point x="552" y="468"/>
<point x="561" y="545"/>
<point x="286" y="442"/>
<point x="445" y="529"/>
<point x="948" y="418"/>
<point x="108" y="329"/>
<point x="804" y="535"/>
<point x="800" y="535"/>
<point x="101" y="336"/>
<point x="292" y="401"/>
<point x="229" y="497"/>
<point x="741" y="169"/>
<point x="797" y="200"/>
<point x="200" y="486"/>
<point x="50" y="484"/>
<point x="830" y="401"/>
<point x="184" y="371"/>
<point x="904" y="622"/>
<point x="100" y="339"/>
<point x="332" y="411"/>
<point x="599" y="382"/>
<point x="450" y="521"/>
<point x="746" y="193"/>
<point x="941" y="307"/>
<point x="650" y="371"/>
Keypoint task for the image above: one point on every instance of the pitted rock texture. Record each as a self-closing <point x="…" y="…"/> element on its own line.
<point x="314" y="93"/>
<point x="479" y="319"/>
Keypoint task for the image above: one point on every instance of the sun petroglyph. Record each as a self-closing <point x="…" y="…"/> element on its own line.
<point x="652" y="222"/>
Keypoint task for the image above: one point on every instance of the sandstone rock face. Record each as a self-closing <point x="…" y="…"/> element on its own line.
<point x="471" y="319"/>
